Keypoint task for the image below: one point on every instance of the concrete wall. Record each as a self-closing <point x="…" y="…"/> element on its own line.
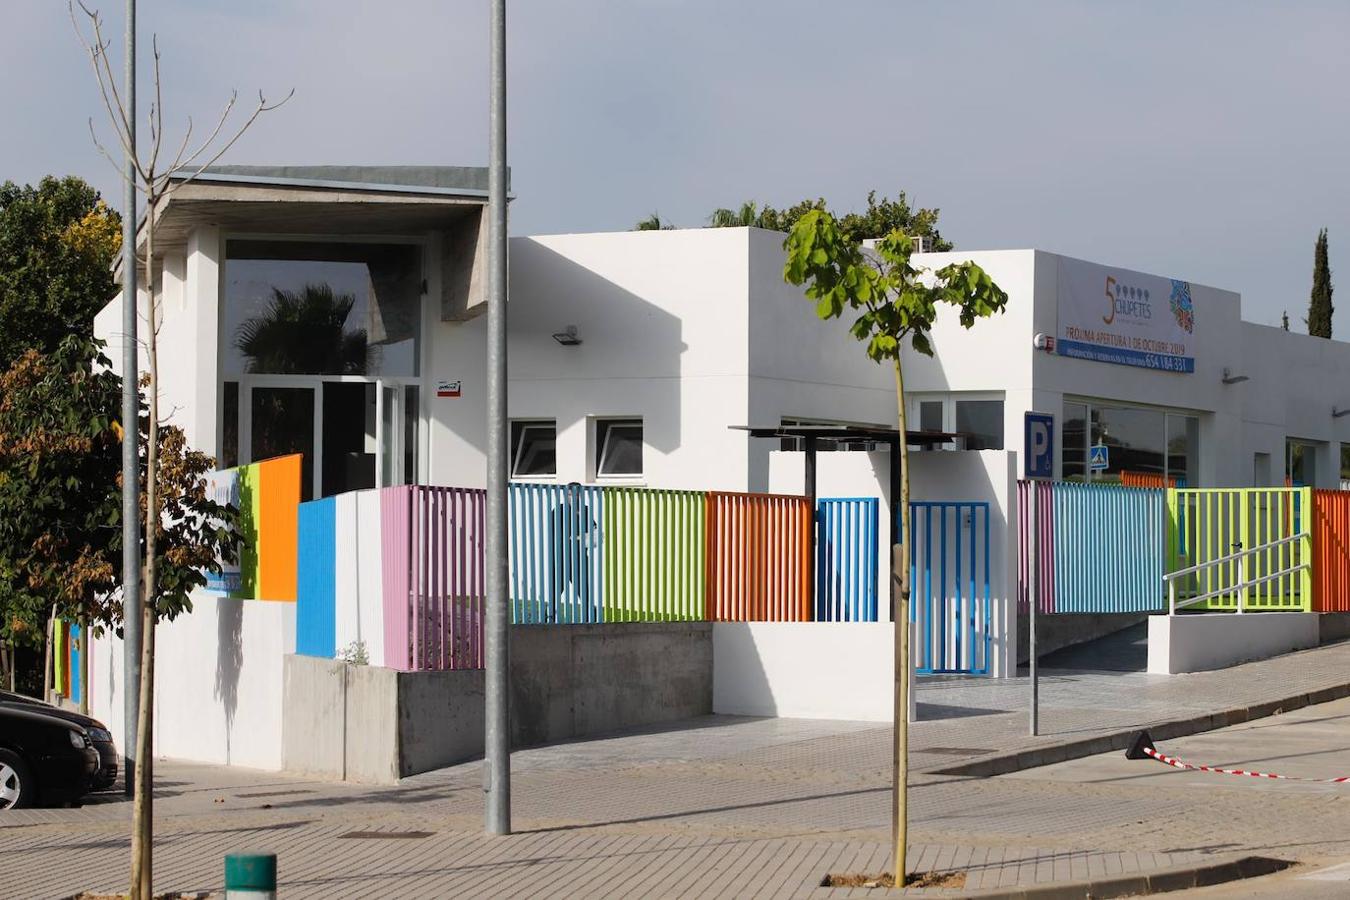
<point x="1201" y="641"/>
<point x="218" y="682"/>
<point x="567" y="681"/>
<point x="811" y="670"/>
<point x="1055" y="632"/>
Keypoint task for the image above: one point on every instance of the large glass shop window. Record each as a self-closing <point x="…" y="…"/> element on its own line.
<point x="311" y="308"/>
<point x="1143" y="447"/>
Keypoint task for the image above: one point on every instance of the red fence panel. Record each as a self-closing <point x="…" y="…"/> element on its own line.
<point x="1331" y="551"/>
<point x="758" y="558"/>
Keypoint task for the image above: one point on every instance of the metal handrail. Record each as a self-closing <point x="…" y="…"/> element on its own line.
<point x="1242" y="585"/>
<point x="1233" y="556"/>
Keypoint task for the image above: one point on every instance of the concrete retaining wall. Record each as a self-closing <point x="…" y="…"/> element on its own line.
<point x="1201" y="641"/>
<point x="371" y="724"/>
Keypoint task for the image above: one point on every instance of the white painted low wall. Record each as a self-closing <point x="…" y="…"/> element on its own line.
<point x="218" y="682"/>
<point x="1199" y="642"/>
<point x="807" y="670"/>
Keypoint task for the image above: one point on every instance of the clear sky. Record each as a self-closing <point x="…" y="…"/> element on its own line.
<point x="1200" y="140"/>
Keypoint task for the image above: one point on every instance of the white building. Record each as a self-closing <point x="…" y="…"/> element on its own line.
<point x="337" y="312"/>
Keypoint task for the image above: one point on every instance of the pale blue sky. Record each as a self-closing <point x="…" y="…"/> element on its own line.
<point x="1202" y="140"/>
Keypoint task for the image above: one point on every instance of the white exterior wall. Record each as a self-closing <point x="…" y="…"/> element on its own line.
<point x="218" y="674"/>
<point x="359" y="583"/>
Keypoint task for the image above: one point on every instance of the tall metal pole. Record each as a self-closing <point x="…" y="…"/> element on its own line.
<point x="1033" y="601"/>
<point x="131" y="507"/>
<point x="497" y="741"/>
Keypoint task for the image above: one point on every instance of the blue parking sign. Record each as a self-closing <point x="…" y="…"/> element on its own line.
<point x="1039" y="446"/>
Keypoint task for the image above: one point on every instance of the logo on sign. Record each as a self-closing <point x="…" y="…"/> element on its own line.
<point x="1099" y="458"/>
<point x="1039" y="450"/>
<point x="448" y="388"/>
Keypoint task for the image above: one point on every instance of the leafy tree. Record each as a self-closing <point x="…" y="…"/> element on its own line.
<point x="57" y="244"/>
<point x="654" y="222"/>
<point x="893" y="300"/>
<point x="304" y="333"/>
<point x="1284" y="320"/>
<point x="1319" y="304"/>
<point x="880" y="218"/>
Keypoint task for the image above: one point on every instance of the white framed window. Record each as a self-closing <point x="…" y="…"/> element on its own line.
<point x="618" y="448"/>
<point x="534" y="448"/>
<point x="978" y="418"/>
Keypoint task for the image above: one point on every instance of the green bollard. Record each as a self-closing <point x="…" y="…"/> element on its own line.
<point x="250" y="876"/>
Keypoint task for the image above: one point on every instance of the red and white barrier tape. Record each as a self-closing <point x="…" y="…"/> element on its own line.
<point x="1143" y="747"/>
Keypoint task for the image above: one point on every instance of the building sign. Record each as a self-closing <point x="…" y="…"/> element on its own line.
<point x="449" y="388"/>
<point x="1119" y="316"/>
<point x="1039" y="445"/>
<point x="1099" y="458"/>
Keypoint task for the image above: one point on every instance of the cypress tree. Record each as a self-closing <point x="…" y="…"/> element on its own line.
<point x="1284" y="320"/>
<point x="1319" y="305"/>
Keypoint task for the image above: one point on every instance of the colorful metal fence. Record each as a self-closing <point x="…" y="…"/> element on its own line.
<point x="950" y="600"/>
<point x="433" y="541"/>
<point x="1100" y="547"/>
<point x="758" y="558"/>
<point x="846" y="559"/>
<point x="557" y="570"/>
<point x="654" y="555"/>
<point x="1331" y="551"/>
<point x="1206" y="524"/>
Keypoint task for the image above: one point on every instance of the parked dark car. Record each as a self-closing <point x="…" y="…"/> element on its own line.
<point x="109" y="762"/>
<point x="43" y="757"/>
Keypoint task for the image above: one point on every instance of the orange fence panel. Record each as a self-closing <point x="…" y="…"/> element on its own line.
<point x="759" y="558"/>
<point x="1331" y="551"/>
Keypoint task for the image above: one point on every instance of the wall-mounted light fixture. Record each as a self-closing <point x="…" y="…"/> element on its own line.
<point x="1230" y="378"/>
<point x="1337" y="413"/>
<point x="568" y="336"/>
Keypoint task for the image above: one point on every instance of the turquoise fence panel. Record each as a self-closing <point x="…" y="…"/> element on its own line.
<point x="949" y="587"/>
<point x="1109" y="545"/>
<point x="556" y="554"/>
<point x="846" y="559"/>
<point x="316" y="584"/>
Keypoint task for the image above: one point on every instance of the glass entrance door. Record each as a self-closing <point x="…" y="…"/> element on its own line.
<point x="281" y="421"/>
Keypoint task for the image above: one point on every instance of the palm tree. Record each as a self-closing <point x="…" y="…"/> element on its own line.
<point x="304" y="333"/>
<point x="653" y="223"/>
<point x="748" y="215"/>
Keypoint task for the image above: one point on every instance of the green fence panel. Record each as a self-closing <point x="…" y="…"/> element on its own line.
<point x="654" y="555"/>
<point x="1205" y="524"/>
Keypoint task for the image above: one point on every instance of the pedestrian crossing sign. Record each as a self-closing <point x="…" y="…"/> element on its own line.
<point x="1099" y="458"/>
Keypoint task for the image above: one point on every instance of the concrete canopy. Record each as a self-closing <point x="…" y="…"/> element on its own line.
<point x="445" y="202"/>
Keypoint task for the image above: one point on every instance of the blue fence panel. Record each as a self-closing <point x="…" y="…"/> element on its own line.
<point x="557" y="553"/>
<point x="316" y="587"/>
<point x="949" y="587"/>
<point x="846" y="559"/>
<point x="1109" y="544"/>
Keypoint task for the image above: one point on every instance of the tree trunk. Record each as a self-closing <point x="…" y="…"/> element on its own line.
<point x="47" y="657"/>
<point x="900" y="616"/>
<point x="142" y="877"/>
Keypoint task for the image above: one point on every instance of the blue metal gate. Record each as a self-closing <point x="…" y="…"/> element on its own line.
<point x="846" y="559"/>
<point x="949" y="587"/>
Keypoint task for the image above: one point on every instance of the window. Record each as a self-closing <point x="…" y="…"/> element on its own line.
<point x="1144" y="447"/>
<point x="1300" y="466"/>
<point x="534" y="449"/>
<point x="321" y="308"/>
<point x="930" y="415"/>
<point x="1345" y="467"/>
<point x="229" y="438"/>
<point x="618" y="448"/>
<point x="1075" y="441"/>
<point x="981" y="422"/>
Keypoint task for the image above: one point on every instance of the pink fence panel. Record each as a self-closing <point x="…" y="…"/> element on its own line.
<point x="433" y="577"/>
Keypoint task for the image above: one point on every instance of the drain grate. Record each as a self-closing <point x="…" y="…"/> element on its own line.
<point x="955" y="751"/>
<point x="387" y="835"/>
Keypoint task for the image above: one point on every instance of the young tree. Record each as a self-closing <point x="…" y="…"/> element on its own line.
<point x="880" y="218"/>
<point x="893" y="300"/>
<point x="1319" y="304"/>
<point x="156" y="179"/>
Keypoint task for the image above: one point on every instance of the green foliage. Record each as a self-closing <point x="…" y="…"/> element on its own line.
<point x="60" y="497"/>
<point x="57" y="245"/>
<point x="879" y="219"/>
<point x="654" y="222"/>
<point x="1319" y="304"/>
<point x="1284" y="320"/>
<point x="894" y="298"/>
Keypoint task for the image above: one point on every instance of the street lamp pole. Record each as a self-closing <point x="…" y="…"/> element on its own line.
<point x="497" y="740"/>
<point x="131" y="476"/>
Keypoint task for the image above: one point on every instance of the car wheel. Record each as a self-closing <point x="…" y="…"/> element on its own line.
<point x="17" y="787"/>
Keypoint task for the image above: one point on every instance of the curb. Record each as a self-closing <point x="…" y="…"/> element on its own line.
<point x="1003" y="764"/>
<point x="1141" y="885"/>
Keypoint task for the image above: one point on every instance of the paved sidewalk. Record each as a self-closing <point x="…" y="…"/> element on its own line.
<point x="731" y="807"/>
